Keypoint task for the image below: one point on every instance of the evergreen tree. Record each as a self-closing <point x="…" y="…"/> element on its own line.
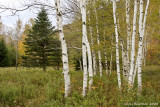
<point x="4" y="59"/>
<point x="40" y="45"/>
<point x="11" y="54"/>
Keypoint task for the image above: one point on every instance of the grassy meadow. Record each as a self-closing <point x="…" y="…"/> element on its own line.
<point x="31" y="87"/>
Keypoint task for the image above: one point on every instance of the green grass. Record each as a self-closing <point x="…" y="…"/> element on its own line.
<point x="35" y="88"/>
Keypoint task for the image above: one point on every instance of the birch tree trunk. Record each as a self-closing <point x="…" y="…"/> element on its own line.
<point x="133" y="46"/>
<point x="16" y="53"/>
<point x="122" y="49"/>
<point x="85" y="72"/>
<point x="84" y="48"/>
<point x="145" y="50"/>
<point x="140" y="46"/>
<point x="64" y="49"/>
<point x="98" y="42"/>
<point x="80" y="64"/>
<point x="111" y="55"/>
<point x="128" y="38"/>
<point x="94" y="62"/>
<point x="93" y="52"/>
<point x="105" y="53"/>
<point x="124" y="61"/>
<point x="144" y="26"/>
<point x="105" y="57"/>
<point x="90" y="69"/>
<point x="117" y="47"/>
<point x="134" y="73"/>
<point x="86" y="45"/>
<point x="142" y="29"/>
<point x="17" y="35"/>
<point x="125" y="71"/>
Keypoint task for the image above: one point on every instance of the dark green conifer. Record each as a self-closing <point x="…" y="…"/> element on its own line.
<point x="4" y="59"/>
<point x="40" y="43"/>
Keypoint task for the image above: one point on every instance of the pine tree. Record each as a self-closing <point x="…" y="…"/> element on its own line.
<point x="11" y="54"/>
<point x="40" y="43"/>
<point x="4" y="59"/>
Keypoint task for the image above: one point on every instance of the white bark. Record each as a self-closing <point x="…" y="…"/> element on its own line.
<point x="117" y="47"/>
<point x="64" y="49"/>
<point x="144" y="26"/>
<point x="86" y="43"/>
<point x="80" y="64"/>
<point x="145" y="50"/>
<point x="145" y="16"/>
<point x="141" y="30"/>
<point x="125" y="66"/>
<point x="98" y="42"/>
<point x="105" y="54"/>
<point x="133" y="45"/>
<point x="128" y="37"/>
<point x="134" y="73"/>
<point x="111" y="56"/>
<point x="94" y="62"/>
<point x="122" y="49"/>
<point x="124" y="61"/>
<point x="93" y="53"/>
<point x="140" y="46"/>
<point x="90" y="70"/>
<point x="84" y="50"/>
<point x="85" y="72"/>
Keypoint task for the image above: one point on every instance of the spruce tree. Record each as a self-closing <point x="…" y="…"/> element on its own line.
<point x="4" y="59"/>
<point x="11" y="54"/>
<point x="40" y="42"/>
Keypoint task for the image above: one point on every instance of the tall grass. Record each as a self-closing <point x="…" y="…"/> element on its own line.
<point x="33" y="87"/>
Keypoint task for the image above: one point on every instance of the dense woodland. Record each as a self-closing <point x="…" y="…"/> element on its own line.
<point x="108" y="53"/>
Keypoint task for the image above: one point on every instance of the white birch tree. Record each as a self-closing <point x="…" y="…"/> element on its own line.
<point x="84" y="51"/>
<point x="137" y="59"/>
<point x="90" y="69"/>
<point x="141" y="36"/>
<point x="64" y="49"/>
<point x="133" y="45"/>
<point x="111" y="56"/>
<point x="98" y="41"/>
<point x="117" y="47"/>
<point x="86" y="46"/>
<point x="93" y="52"/>
<point x="105" y="53"/>
<point x="127" y="66"/>
<point x="18" y="33"/>
<point x="140" y="46"/>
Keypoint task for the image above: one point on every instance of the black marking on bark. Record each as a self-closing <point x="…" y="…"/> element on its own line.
<point x="140" y="38"/>
<point x="64" y="54"/>
<point x="60" y="30"/>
